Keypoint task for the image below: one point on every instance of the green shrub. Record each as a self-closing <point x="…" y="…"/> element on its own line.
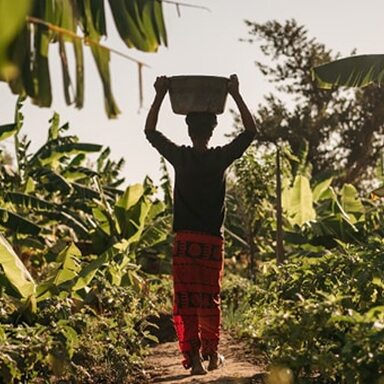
<point x="323" y="316"/>
<point x="101" y="340"/>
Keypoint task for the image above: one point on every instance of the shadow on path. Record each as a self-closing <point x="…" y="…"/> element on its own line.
<point x="164" y="363"/>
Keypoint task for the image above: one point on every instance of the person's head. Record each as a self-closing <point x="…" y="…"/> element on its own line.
<point x="200" y="127"/>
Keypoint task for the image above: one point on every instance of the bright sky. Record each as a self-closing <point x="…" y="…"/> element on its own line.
<point x="200" y="42"/>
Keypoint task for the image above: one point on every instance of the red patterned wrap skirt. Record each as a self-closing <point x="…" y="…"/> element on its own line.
<point x="197" y="273"/>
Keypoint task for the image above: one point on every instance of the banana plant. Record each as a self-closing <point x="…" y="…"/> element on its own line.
<point x="29" y="29"/>
<point x="322" y="216"/>
<point x="134" y="223"/>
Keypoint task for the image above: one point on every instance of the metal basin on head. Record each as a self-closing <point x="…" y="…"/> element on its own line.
<point x="198" y="94"/>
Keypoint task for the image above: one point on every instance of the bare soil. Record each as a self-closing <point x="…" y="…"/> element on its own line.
<point x="240" y="366"/>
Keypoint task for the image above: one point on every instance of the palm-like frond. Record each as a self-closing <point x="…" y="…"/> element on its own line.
<point x="354" y="71"/>
<point x="28" y="31"/>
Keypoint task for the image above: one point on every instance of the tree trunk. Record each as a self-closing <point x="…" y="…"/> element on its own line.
<point x="279" y="213"/>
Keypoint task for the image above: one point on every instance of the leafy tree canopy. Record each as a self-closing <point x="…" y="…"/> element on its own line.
<point x="341" y="132"/>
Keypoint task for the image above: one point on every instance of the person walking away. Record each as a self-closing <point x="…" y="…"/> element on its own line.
<point x="198" y="216"/>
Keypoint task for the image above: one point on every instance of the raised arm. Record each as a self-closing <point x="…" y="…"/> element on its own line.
<point x="161" y="86"/>
<point x="242" y="141"/>
<point x="166" y="147"/>
<point x="246" y="116"/>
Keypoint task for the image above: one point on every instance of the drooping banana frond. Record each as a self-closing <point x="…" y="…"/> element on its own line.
<point x="28" y="31"/>
<point x="17" y="223"/>
<point x="354" y="71"/>
<point x="56" y="149"/>
<point x="29" y="202"/>
<point x="52" y="181"/>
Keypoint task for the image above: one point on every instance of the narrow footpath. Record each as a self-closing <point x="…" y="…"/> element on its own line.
<point x="164" y="365"/>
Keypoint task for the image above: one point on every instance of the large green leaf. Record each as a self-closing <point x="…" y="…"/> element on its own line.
<point x="156" y="232"/>
<point x="321" y="188"/>
<point x="29" y="202"/>
<point x="49" y="153"/>
<point x="131" y="196"/>
<point x="354" y="71"/>
<point x="131" y="211"/>
<point x="15" y="271"/>
<point x="25" y="38"/>
<point x="66" y="218"/>
<point x="88" y="272"/>
<point x="67" y="270"/>
<point x="7" y="130"/>
<point x="12" y="19"/>
<point x="52" y="180"/>
<point x="42" y="93"/>
<point x="73" y="173"/>
<point x="351" y="202"/>
<point x="69" y="265"/>
<point x="17" y="223"/>
<point x="102" y="58"/>
<point x="297" y="201"/>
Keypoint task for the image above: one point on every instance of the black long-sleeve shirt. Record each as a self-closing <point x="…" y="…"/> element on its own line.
<point x="199" y="190"/>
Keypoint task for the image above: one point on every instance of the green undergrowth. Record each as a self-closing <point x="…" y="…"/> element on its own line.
<point x="104" y="340"/>
<point x="319" y="317"/>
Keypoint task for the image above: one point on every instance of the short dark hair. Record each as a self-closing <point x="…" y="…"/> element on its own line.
<point x="201" y="124"/>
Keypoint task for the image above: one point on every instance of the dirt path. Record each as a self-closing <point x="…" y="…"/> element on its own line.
<point x="164" y="366"/>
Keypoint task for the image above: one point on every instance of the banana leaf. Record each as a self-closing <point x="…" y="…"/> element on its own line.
<point x="69" y="266"/>
<point x="17" y="223"/>
<point x="53" y="181"/>
<point x="7" y="130"/>
<point x="127" y="21"/>
<point x="14" y="270"/>
<point x="298" y="202"/>
<point x="84" y="192"/>
<point x="12" y="19"/>
<point x="49" y="155"/>
<point x="40" y="72"/>
<point x="67" y="219"/>
<point x="131" y="211"/>
<point x="88" y="272"/>
<point x="102" y="58"/>
<point x="66" y="272"/>
<point x="156" y="233"/>
<point x="321" y="188"/>
<point x="77" y="173"/>
<point x="26" y="37"/>
<point x="354" y="71"/>
<point x="29" y="202"/>
<point x="351" y="201"/>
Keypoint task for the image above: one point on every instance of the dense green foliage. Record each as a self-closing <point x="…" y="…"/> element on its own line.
<point x="82" y="257"/>
<point x="318" y="317"/>
<point x="74" y="301"/>
<point x="321" y="316"/>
